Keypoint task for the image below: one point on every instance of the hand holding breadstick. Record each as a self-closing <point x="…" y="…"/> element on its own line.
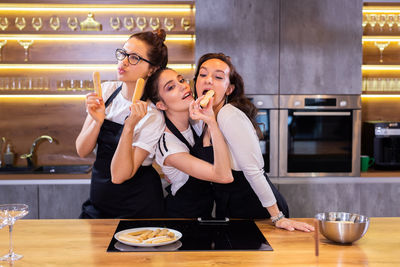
<point x="97" y="83"/>
<point x="206" y="99"/>
<point x="138" y="90"/>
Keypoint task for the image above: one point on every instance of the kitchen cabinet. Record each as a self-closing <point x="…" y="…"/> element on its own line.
<point x="248" y="32"/>
<point x="381" y="61"/>
<point x="62" y="201"/>
<point x="320" y="49"/>
<point x="25" y="194"/>
<point x="54" y="48"/>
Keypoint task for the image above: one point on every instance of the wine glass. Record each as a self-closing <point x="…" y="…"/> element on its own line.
<point x="72" y="23"/>
<point x="9" y="213"/>
<point x="115" y="23"/>
<point x="129" y="23"/>
<point x="382" y="21"/>
<point x="26" y="44"/>
<point x="2" y="43"/>
<point x="185" y="23"/>
<point x="141" y="23"/>
<point x="37" y="23"/>
<point x="390" y="21"/>
<point x="169" y="23"/>
<point x="20" y="23"/>
<point x="55" y="23"/>
<point x="154" y="23"/>
<point x="4" y="23"/>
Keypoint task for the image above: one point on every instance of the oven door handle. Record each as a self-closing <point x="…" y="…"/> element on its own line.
<point x="322" y="113"/>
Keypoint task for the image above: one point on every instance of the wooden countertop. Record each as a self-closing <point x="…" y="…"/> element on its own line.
<point x="84" y="243"/>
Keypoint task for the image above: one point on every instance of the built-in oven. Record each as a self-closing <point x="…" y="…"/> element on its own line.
<point x="319" y="135"/>
<point x="267" y="119"/>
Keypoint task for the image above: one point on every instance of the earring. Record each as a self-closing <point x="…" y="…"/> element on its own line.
<point x="226" y="100"/>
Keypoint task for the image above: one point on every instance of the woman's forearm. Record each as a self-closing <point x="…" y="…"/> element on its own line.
<point x="122" y="161"/>
<point x="221" y="168"/>
<point x="87" y="138"/>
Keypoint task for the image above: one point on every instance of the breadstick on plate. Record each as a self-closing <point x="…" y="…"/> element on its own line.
<point x="154" y="233"/>
<point x="131" y="239"/>
<point x="206" y="99"/>
<point x="160" y="239"/>
<point x="138" y="90"/>
<point x="137" y="233"/>
<point x="163" y="232"/>
<point x="97" y="83"/>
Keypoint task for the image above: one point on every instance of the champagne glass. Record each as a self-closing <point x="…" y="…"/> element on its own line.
<point x="364" y="21"/>
<point x="26" y="44"/>
<point x="4" y="23"/>
<point x="20" y="23"/>
<point x="2" y="43"/>
<point x="141" y="23"/>
<point x="9" y="213"/>
<point x="154" y="23"/>
<point x="381" y="46"/>
<point x="129" y="23"/>
<point x="185" y="23"/>
<point x="169" y="23"/>
<point x="37" y="23"/>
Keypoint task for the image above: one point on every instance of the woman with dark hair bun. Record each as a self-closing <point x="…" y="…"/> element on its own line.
<point x="124" y="184"/>
<point x="251" y="194"/>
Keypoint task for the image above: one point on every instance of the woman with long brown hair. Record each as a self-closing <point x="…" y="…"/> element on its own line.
<point x="251" y="194"/>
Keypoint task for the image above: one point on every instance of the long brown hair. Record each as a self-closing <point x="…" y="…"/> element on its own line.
<point x="237" y="97"/>
<point x="158" y="51"/>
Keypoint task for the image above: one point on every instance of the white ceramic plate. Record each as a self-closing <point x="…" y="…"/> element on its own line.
<point x="178" y="235"/>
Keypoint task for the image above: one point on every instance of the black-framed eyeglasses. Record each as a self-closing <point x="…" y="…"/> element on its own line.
<point x="133" y="58"/>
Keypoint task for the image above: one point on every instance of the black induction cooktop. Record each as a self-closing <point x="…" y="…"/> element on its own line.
<point x="199" y="236"/>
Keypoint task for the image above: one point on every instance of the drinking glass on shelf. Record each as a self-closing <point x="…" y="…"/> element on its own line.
<point x="390" y="22"/>
<point x="169" y="23"/>
<point x="37" y="23"/>
<point x="9" y="214"/>
<point x="4" y="23"/>
<point x="129" y="23"/>
<point x="26" y="44"/>
<point x="2" y="43"/>
<point x="381" y="46"/>
<point x="20" y="23"/>
<point x="185" y="23"/>
<point x="372" y="20"/>
<point x="382" y="21"/>
<point x="141" y="23"/>
<point x="154" y="23"/>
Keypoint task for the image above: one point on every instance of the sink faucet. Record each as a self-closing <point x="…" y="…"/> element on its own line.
<point x="31" y="157"/>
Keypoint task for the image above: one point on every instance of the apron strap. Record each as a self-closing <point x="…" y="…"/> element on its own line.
<point x="113" y="95"/>
<point x="178" y="134"/>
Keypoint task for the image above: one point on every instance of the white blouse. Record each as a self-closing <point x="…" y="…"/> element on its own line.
<point x="149" y="128"/>
<point x="244" y="146"/>
<point x="170" y="144"/>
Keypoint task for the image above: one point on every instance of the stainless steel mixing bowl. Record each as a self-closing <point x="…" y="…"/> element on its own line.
<point x="342" y="227"/>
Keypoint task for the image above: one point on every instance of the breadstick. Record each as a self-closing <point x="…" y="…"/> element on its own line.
<point x="163" y="232"/>
<point x="97" y="83"/>
<point x="138" y="90"/>
<point x="145" y="234"/>
<point x="132" y="239"/>
<point x="160" y="239"/>
<point x="171" y="234"/>
<point x="154" y="233"/>
<point x="137" y="233"/>
<point x="206" y="99"/>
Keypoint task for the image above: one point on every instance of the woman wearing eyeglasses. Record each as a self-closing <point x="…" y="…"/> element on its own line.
<point x="124" y="184"/>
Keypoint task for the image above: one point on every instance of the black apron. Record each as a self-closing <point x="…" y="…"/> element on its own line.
<point x="195" y="198"/>
<point x="238" y="199"/>
<point x="139" y="197"/>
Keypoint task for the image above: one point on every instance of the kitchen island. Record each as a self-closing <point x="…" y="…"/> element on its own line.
<point x="84" y="243"/>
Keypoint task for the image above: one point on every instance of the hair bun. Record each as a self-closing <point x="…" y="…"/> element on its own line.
<point x="161" y="34"/>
